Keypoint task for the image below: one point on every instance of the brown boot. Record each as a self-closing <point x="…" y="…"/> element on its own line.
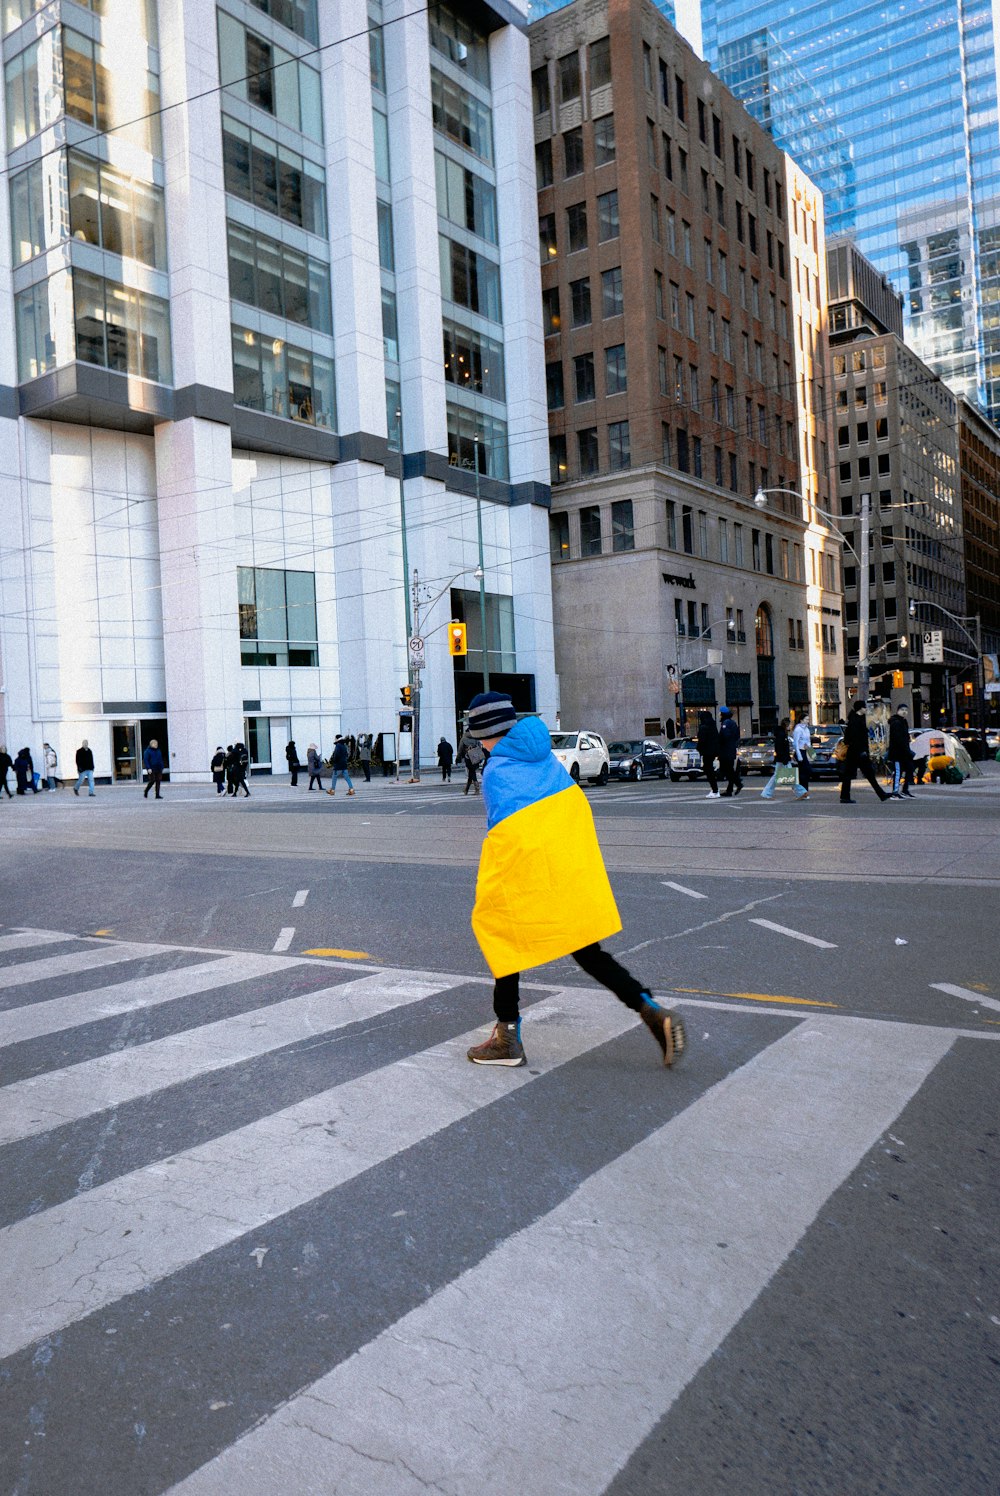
<point x="666" y="1028"/>
<point x="503" y="1047"/>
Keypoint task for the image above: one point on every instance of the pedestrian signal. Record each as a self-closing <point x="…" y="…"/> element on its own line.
<point x="897" y="679"/>
<point x="405" y="694"/>
<point x="457" y="644"/>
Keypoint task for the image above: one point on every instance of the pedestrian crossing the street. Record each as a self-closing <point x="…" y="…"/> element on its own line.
<point x="264" y="1230"/>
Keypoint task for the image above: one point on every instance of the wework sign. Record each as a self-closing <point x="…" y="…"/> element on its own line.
<point x="679" y="581"/>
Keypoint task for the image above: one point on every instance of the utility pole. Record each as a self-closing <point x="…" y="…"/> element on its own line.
<point x="415" y="690"/>
<point x="412" y="676"/>
<point x="864" y="599"/>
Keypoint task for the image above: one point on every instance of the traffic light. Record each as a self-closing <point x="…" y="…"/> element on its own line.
<point x="405" y="695"/>
<point x="968" y="689"/>
<point x="897" y="680"/>
<point x="457" y="644"/>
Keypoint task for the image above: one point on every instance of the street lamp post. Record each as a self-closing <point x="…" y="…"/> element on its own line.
<point x="415" y="670"/>
<point x="976" y="640"/>
<point x="482" y="573"/>
<point x="682" y="674"/>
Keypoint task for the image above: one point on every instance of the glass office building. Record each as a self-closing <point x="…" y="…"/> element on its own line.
<point x="893" y="112"/>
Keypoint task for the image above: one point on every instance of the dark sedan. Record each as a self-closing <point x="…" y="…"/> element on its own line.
<point x="637" y="758"/>
<point x="822" y="764"/>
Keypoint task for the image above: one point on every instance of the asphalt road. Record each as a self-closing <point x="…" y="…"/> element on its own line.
<point x="263" y="1228"/>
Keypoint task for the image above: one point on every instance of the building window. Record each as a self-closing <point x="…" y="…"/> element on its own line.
<point x="474" y="361"/>
<point x="600" y="62"/>
<point x="91" y="93"/>
<point x="576" y="226"/>
<point x="583" y="377"/>
<point x="622" y="529"/>
<point x="280" y="281"/>
<point x="689" y="307"/>
<point x="466" y="198"/>
<point x="559" y="537"/>
<point x="277" y="617"/>
<point x="755" y="548"/>
<point x="590" y="530"/>
<point x="604" y="140"/>
<point x="558" y="469"/>
<point x="607" y="216"/>
<point x="619" y="451"/>
<point x="573" y="152"/>
<point x="541" y="94"/>
<point x="687" y="530"/>
<point x="568" y="69"/>
<point x="615" y="372"/>
<point x="724" y="541"/>
<point x="671" y="525"/>
<point x="579" y="291"/>
<point x="555" y="395"/>
<point x="551" y="321"/>
<point x="265" y="75"/>
<point x="476" y="435"/>
<point x="273" y="178"/>
<point x="271" y="376"/>
<point x="588" y="451"/>
<point x="612" y="301"/>
<point x="547" y="248"/>
<point x="543" y="164"/>
<point x="679" y="624"/>
<point x="683" y="451"/>
<point x="469" y="279"/>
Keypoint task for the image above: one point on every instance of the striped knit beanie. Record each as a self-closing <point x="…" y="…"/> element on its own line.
<point x="491" y="714"/>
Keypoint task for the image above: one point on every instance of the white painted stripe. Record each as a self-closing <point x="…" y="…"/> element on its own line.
<point x="30" y="938"/>
<point x="56" y="1266"/>
<point x="284" y="940"/>
<point x="100" y="954"/>
<point x="967" y="993"/>
<point x="142" y="992"/>
<point x="768" y="924"/>
<point x="652" y="1262"/>
<point x="76" y="1091"/>
<point x="692" y="893"/>
<point x="300" y="898"/>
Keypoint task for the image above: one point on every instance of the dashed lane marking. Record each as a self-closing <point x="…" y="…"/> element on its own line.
<point x="300" y="898"/>
<point x="692" y="893"/>
<point x="768" y="924"/>
<point x="967" y="995"/>
<point x="284" y="940"/>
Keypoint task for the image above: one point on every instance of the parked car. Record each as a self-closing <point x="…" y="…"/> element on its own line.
<point x="584" y="754"/>
<point x="822" y="764"/>
<point x="756" y="755"/>
<point x="637" y="758"/>
<point x="683" y="758"/>
<point x="993" y="739"/>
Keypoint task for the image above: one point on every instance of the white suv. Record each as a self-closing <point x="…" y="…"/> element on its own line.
<point x="584" y="754"/>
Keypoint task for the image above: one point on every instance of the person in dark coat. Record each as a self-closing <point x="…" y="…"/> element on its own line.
<point x="6" y="762"/>
<point x="241" y="766"/>
<point x="708" y="748"/>
<point x="84" y="767"/>
<point x="24" y="772"/>
<point x="315" y="764"/>
<point x="900" y="754"/>
<point x="473" y="755"/>
<point x="219" y="769"/>
<point x="729" y="764"/>
<point x="230" y="767"/>
<point x="339" y="759"/>
<point x="858" y="755"/>
<point x="152" y="762"/>
<point x="365" y="755"/>
<point x="446" y="757"/>
<point x="292" y="760"/>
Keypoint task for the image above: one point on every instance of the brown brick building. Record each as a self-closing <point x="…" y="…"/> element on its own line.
<point x="682" y="280"/>
<point x="979" y="463"/>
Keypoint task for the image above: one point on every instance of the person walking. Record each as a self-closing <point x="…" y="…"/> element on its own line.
<point x="230" y="768"/>
<point x="84" y="767"/>
<point x="292" y="760"/>
<point x="538" y="823"/>
<point x="729" y="763"/>
<point x="241" y="767"/>
<point x="858" y="755"/>
<point x="24" y="772"/>
<point x="900" y="755"/>
<point x="708" y="749"/>
<point x="152" y="762"/>
<point x="315" y="765"/>
<point x="338" y="763"/>
<point x="782" y="760"/>
<point x="470" y="752"/>
<point x="365" y="755"/>
<point x="446" y="757"/>
<point x="218" y="767"/>
<point x="49" y="760"/>
<point x="6" y="763"/>
<point x="801" y="743"/>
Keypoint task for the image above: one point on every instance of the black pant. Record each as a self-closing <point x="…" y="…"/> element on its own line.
<point x="708" y="764"/>
<point x="446" y="773"/>
<point x="730" y="769"/>
<point x="220" y="783"/>
<point x="294" y="771"/>
<point x="471" y="781"/>
<point x="318" y="778"/>
<point x="595" y="962"/>
<point x="240" y="783"/>
<point x="366" y="769"/>
<point x="802" y="764"/>
<point x="5" y="786"/>
<point x="859" y="764"/>
<point x="155" y="778"/>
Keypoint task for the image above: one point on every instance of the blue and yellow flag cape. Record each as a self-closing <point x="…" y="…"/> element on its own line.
<point x="542" y="891"/>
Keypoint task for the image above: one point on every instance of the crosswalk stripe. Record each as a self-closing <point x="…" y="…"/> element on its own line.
<point x="57" y="1264"/>
<point x="77" y="1091"/>
<point x="32" y="938"/>
<point x="75" y="962"/>
<point x="652" y="1261"/>
<point x="19" y="1024"/>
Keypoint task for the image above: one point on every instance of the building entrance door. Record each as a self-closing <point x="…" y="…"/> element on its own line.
<point x="767" y="706"/>
<point x="150" y="728"/>
<point x="124" y="759"/>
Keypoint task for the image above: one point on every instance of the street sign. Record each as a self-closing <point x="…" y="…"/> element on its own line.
<point x="933" y="647"/>
<point x="416" y="653"/>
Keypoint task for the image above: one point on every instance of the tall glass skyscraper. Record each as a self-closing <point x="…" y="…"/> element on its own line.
<point x="893" y="112"/>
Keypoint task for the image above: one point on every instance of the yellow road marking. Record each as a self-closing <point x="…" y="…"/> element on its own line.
<point x="329" y="950"/>
<point x="103" y="932"/>
<point x="757" y="997"/>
